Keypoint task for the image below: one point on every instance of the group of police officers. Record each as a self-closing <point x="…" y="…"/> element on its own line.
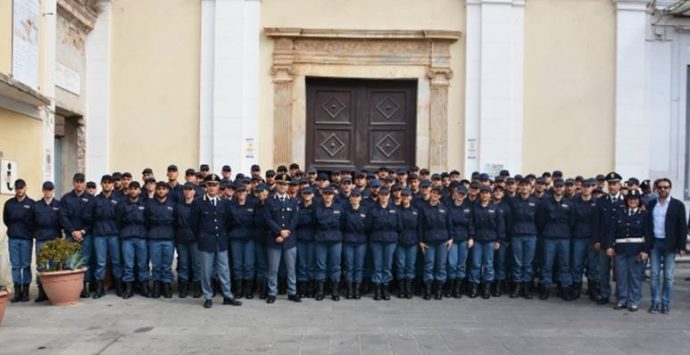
<point x="312" y="234"/>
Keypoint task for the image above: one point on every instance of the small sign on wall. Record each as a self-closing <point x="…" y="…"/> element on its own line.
<point x="9" y="172"/>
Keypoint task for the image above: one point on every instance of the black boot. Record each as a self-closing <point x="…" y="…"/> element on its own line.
<point x="196" y="289"/>
<point x="448" y="288"/>
<point x="418" y="286"/>
<point x="474" y="290"/>
<point x="335" y="291"/>
<point x="350" y="291"/>
<point x="263" y="292"/>
<point x="249" y="289"/>
<point x="18" y="292"/>
<point x="494" y="289"/>
<point x="366" y="286"/>
<point x="594" y="291"/>
<point x="182" y="288"/>
<point x="517" y="291"/>
<point x="156" y="291"/>
<point x="282" y="286"/>
<point x="377" y="292"/>
<point x="457" y="288"/>
<point x="576" y="291"/>
<point x="544" y="293"/>
<point x="319" y="291"/>
<point x="42" y="297"/>
<point x="486" y="291"/>
<point x="301" y="288"/>
<point x="25" y="293"/>
<point x="144" y="289"/>
<point x="117" y="283"/>
<point x="85" y="291"/>
<point x="427" y="291"/>
<point x="355" y="288"/>
<point x="128" y="292"/>
<point x="167" y="290"/>
<point x="401" y="288"/>
<point x="565" y="293"/>
<point x="385" y="294"/>
<point x="501" y="288"/>
<point x="438" y="290"/>
<point x="527" y="290"/>
<point x="238" y="290"/>
<point x="100" y="290"/>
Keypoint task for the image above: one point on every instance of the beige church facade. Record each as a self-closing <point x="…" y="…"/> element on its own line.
<point x="585" y="86"/>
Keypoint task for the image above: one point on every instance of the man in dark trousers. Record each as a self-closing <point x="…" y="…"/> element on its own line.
<point x="72" y="206"/>
<point x="209" y="223"/>
<point x="667" y="233"/>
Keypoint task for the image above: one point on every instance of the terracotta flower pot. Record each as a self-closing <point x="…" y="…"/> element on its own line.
<point x="3" y="301"/>
<point x="63" y="287"/>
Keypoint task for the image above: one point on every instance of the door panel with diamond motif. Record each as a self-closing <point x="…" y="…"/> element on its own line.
<point x="360" y="124"/>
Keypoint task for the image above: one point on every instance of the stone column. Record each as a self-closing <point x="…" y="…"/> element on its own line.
<point x="438" y="119"/>
<point x="283" y="74"/>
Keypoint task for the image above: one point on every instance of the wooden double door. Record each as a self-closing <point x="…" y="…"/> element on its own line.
<point x="361" y="124"/>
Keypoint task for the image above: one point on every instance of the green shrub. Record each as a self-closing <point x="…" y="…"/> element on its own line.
<point x="60" y="254"/>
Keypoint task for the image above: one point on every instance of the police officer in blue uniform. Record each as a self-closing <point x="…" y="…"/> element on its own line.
<point x="17" y="217"/>
<point x="626" y="243"/>
<point x="501" y="263"/>
<point x="72" y="205"/>
<point x="160" y="219"/>
<point x="46" y="223"/>
<point x="435" y="243"/>
<point x="305" y="244"/>
<point x="281" y="214"/>
<point x="524" y="232"/>
<point x="242" y="242"/>
<point x="461" y="229"/>
<point x="101" y="217"/>
<point x="260" y="237"/>
<point x="354" y="243"/>
<point x="608" y="205"/>
<point x="174" y="186"/>
<point x="408" y="245"/>
<point x="328" y="218"/>
<point x="384" y="229"/>
<point x="586" y="222"/>
<point x="555" y="220"/>
<point x="131" y="217"/>
<point x="209" y="221"/>
<point x="489" y="225"/>
<point x="188" y="264"/>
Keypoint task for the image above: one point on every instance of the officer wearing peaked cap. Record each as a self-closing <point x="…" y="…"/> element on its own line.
<point x="209" y="220"/>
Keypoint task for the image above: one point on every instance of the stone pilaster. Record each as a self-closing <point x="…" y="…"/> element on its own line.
<point x="438" y="118"/>
<point x="283" y="73"/>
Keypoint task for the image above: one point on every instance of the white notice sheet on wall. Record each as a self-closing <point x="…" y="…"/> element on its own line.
<point x="25" y="42"/>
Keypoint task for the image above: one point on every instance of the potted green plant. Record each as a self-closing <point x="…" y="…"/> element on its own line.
<point x="61" y="269"/>
<point x="3" y="301"/>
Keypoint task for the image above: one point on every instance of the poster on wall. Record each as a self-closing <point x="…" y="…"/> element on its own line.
<point x="25" y="41"/>
<point x="8" y="173"/>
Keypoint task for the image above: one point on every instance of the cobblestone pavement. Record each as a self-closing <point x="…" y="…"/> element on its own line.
<point x="466" y="326"/>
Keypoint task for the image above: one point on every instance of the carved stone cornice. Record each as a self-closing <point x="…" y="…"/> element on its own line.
<point x="78" y="13"/>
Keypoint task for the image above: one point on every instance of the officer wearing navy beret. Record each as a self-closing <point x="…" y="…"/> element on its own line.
<point x="282" y="215"/>
<point x="209" y="222"/>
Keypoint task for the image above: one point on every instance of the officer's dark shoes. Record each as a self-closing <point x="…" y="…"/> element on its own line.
<point x="486" y="291"/>
<point x="653" y="309"/>
<point x="474" y="290"/>
<point x="239" y="292"/>
<point x="385" y="294"/>
<point x="319" y="291"/>
<point x="167" y="290"/>
<point x="249" y="289"/>
<point x="427" y="291"/>
<point x="544" y="293"/>
<point x="377" y="292"/>
<point x="100" y="290"/>
<point x="117" y="284"/>
<point x="349" y="292"/>
<point x="231" y="301"/>
<point x="42" y="297"/>
<point x="144" y="289"/>
<point x="602" y="301"/>
<point x="527" y="290"/>
<point x="633" y="308"/>
<point x="271" y="299"/>
<point x="409" y="292"/>
<point x="182" y="288"/>
<point x="301" y="287"/>
<point x="448" y="288"/>
<point x="457" y="288"/>
<point x="208" y="303"/>
<point x="577" y="291"/>
<point x="156" y="291"/>
<point x="665" y="309"/>
<point x="438" y="292"/>
<point x="262" y="290"/>
<point x="565" y="293"/>
<point x="620" y="306"/>
<point x="85" y="291"/>
<point x="127" y="293"/>
<point x="401" y="288"/>
<point x="517" y="291"/>
<point x="335" y="292"/>
<point x="356" y="294"/>
<point x="295" y="298"/>
<point x="196" y="289"/>
<point x="494" y="289"/>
